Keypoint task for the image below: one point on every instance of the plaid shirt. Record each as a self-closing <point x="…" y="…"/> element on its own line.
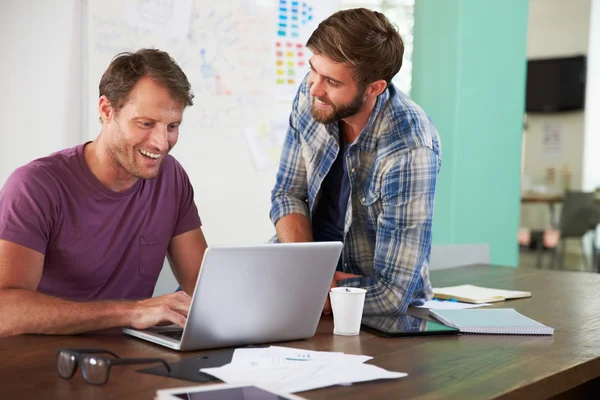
<point x="392" y="166"/>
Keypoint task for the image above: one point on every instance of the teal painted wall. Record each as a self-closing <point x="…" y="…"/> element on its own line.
<point x="469" y="67"/>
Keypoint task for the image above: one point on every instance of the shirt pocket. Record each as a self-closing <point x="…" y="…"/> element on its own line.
<point x="371" y="192"/>
<point x="372" y="207"/>
<point x="152" y="256"/>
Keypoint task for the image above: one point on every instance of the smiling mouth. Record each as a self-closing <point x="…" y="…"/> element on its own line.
<point x="321" y="103"/>
<point x="152" y="156"/>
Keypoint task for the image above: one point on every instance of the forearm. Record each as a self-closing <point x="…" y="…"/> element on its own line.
<point x="381" y="298"/>
<point x="294" y="228"/>
<point x="25" y="311"/>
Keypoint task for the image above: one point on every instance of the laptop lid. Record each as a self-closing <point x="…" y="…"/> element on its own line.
<point x="258" y="294"/>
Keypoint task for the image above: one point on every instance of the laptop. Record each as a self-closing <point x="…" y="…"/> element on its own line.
<point x="252" y="295"/>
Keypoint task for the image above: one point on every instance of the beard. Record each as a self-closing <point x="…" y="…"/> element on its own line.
<point x="338" y="112"/>
<point x="125" y="156"/>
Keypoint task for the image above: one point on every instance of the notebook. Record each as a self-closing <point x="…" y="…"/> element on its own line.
<point x="477" y="294"/>
<point x="504" y="321"/>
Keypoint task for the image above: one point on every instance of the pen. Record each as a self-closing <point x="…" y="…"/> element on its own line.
<point x="452" y="300"/>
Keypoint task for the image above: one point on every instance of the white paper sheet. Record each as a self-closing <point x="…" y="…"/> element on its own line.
<point x="296" y="370"/>
<point x="277" y="355"/>
<point x="450" y="305"/>
<point x="265" y="140"/>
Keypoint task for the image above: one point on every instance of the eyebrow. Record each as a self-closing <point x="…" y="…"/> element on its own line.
<point x="325" y="76"/>
<point x="155" y="120"/>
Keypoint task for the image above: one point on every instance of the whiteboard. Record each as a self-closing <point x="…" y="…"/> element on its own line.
<point x="229" y="52"/>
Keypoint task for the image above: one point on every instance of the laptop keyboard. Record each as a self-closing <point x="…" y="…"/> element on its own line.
<point x="173" y="334"/>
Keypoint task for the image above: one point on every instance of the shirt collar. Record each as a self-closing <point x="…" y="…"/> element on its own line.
<point x="367" y="140"/>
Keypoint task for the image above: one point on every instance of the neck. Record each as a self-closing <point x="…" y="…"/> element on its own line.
<point x="353" y="126"/>
<point x="105" y="168"/>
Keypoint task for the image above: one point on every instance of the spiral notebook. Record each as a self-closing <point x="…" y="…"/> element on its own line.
<point x="502" y="321"/>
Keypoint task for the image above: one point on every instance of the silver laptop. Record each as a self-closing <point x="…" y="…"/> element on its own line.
<point x="252" y="295"/>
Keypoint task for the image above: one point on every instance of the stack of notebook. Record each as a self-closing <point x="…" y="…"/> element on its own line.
<point x="503" y="321"/>
<point x="477" y="294"/>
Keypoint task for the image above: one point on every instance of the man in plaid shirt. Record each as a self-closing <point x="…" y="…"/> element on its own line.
<point x="360" y="163"/>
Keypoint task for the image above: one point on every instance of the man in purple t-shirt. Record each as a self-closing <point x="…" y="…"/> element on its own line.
<point x="85" y="231"/>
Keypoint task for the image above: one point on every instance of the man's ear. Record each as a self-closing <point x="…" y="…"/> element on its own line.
<point x="377" y="87"/>
<point x="105" y="109"/>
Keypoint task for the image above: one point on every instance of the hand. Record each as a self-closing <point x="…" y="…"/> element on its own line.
<point x="171" y="309"/>
<point x="338" y="276"/>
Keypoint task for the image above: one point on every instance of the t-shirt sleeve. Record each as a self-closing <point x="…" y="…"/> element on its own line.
<point x="187" y="218"/>
<point x="27" y="208"/>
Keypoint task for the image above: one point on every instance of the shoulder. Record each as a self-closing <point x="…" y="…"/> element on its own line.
<point x="37" y="188"/>
<point x="172" y="175"/>
<point x="407" y="124"/>
<point x="42" y="174"/>
<point x="171" y="167"/>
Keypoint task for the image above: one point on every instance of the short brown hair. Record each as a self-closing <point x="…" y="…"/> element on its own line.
<point x="126" y="69"/>
<point x="364" y="38"/>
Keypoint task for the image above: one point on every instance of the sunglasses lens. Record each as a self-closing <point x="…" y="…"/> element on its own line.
<point x="66" y="364"/>
<point x="95" y="370"/>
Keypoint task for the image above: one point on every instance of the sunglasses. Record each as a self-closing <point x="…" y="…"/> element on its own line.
<point x="95" y="364"/>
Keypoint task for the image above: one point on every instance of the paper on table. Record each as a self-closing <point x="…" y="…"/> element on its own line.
<point x="450" y="305"/>
<point x="277" y="355"/>
<point x="301" y="376"/>
<point x="295" y="370"/>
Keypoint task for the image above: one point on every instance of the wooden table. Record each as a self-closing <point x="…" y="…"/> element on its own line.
<point x="462" y="367"/>
<point x="541" y="198"/>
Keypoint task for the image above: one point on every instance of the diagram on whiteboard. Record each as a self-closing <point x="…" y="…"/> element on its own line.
<point x="170" y="17"/>
<point x="296" y="20"/>
<point x="223" y="47"/>
<point x="244" y="59"/>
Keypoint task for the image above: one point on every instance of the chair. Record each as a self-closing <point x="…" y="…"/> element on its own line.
<point x="458" y="255"/>
<point x="580" y="214"/>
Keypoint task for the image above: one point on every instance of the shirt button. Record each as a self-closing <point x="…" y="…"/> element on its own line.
<point x="352" y="170"/>
<point x="363" y="199"/>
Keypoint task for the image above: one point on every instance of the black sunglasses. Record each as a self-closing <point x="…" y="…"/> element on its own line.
<point x="95" y="367"/>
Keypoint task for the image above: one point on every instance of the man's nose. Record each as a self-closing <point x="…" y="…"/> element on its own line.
<point x="317" y="89"/>
<point x="160" y="138"/>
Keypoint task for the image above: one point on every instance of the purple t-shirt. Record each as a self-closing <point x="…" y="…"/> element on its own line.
<point x="98" y="244"/>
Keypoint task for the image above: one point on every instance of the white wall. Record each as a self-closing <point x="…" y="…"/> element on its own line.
<point x="40" y="77"/>
<point x="556" y="28"/>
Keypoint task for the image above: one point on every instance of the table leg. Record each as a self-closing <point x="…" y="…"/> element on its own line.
<point x="554" y="222"/>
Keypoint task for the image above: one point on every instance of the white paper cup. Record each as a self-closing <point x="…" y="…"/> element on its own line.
<point x="347" y="306"/>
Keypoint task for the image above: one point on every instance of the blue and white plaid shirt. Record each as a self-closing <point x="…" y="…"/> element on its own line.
<point x="393" y="167"/>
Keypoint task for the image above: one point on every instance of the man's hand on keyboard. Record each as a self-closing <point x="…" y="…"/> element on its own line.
<point x="168" y="309"/>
